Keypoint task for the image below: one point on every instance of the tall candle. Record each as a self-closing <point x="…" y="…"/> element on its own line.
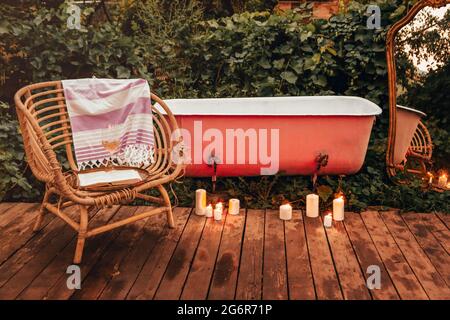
<point x="328" y="220"/>
<point x="209" y="211"/>
<point x="338" y="209"/>
<point x="286" y="212"/>
<point x="430" y="181"/>
<point x="312" y="205"/>
<point x="233" y="206"/>
<point x="200" y="202"/>
<point x="218" y="212"/>
<point x="442" y="181"/>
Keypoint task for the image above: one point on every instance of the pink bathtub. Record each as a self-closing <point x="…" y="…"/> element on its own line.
<point x="263" y="136"/>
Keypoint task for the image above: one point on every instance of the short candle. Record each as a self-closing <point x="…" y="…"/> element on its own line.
<point x="286" y="212"/>
<point x="218" y="212"/>
<point x="233" y="206"/>
<point x="209" y="211"/>
<point x="328" y="220"/>
<point x="442" y="181"/>
<point x="338" y="209"/>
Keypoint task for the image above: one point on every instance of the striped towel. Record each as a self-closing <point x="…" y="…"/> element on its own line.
<point x="111" y="122"/>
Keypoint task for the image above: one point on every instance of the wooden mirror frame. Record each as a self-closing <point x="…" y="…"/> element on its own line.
<point x="392" y="168"/>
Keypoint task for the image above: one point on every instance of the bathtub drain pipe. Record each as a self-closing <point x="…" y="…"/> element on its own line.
<point x="321" y="161"/>
<point x="213" y="161"/>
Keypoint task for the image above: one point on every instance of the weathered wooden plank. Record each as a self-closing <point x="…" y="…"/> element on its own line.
<point x="174" y="278"/>
<point x="300" y="280"/>
<point x="224" y="282"/>
<point x="418" y="224"/>
<point x="21" y="279"/>
<point x="445" y="218"/>
<point x="120" y="284"/>
<point x="94" y="249"/>
<point x="16" y="234"/>
<point x="348" y="269"/>
<point x="424" y="270"/>
<point x="406" y="283"/>
<point x="56" y="270"/>
<point x="14" y="215"/>
<point x="200" y="274"/>
<point x="249" y="285"/>
<point x="324" y="273"/>
<point x="7" y="213"/>
<point x="108" y="265"/>
<point x="274" y="267"/>
<point x="367" y="255"/>
<point x="153" y="270"/>
<point x="439" y="230"/>
<point x="32" y="248"/>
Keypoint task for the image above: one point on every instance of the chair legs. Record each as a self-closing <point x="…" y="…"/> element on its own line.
<point x="166" y="198"/>
<point x="40" y="217"/>
<point x="81" y="235"/>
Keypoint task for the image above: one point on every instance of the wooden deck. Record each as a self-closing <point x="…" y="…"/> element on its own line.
<point x="250" y="256"/>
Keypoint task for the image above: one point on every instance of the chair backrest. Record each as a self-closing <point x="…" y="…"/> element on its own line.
<point x="45" y="126"/>
<point x="42" y="113"/>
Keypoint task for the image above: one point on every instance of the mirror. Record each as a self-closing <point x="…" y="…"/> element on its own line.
<point x="418" y="55"/>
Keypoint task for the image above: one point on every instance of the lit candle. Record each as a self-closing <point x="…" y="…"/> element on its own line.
<point x="218" y="212"/>
<point x="233" y="206"/>
<point x="328" y="220"/>
<point x="286" y="212"/>
<point x="430" y="181"/>
<point x="209" y="211"/>
<point x="338" y="209"/>
<point x="312" y="205"/>
<point x="442" y="181"/>
<point x="200" y="202"/>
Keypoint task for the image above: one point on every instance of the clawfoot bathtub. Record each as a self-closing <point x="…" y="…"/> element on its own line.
<point x="254" y="136"/>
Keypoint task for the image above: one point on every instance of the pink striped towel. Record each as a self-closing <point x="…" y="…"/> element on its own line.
<point x="111" y="122"/>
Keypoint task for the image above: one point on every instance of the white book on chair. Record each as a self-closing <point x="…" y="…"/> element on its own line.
<point x="108" y="177"/>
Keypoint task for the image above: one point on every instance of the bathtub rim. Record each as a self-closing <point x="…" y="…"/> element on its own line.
<point x="422" y="114"/>
<point x="178" y="111"/>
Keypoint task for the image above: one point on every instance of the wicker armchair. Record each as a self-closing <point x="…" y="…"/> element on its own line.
<point x="47" y="136"/>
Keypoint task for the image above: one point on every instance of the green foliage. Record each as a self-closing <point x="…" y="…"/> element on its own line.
<point x="247" y="54"/>
<point x="12" y="157"/>
<point x="41" y="47"/>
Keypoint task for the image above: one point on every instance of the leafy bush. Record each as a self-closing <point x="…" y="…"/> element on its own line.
<point x="12" y="163"/>
<point x="248" y="54"/>
<point x="41" y="47"/>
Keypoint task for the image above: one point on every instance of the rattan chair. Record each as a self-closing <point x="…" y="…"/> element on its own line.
<point x="47" y="137"/>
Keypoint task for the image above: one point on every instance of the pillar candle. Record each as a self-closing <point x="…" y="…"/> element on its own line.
<point x="430" y="180"/>
<point x="209" y="211"/>
<point x="286" y="212"/>
<point x="442" y="181"/>
<point x="312" y="205"/>
<point x="233" y="206"/>
<point x="218" y="212"/>
<point x="200" y="202"/>
<point x="338" y="209"/>
<point x="328" y="220"/>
